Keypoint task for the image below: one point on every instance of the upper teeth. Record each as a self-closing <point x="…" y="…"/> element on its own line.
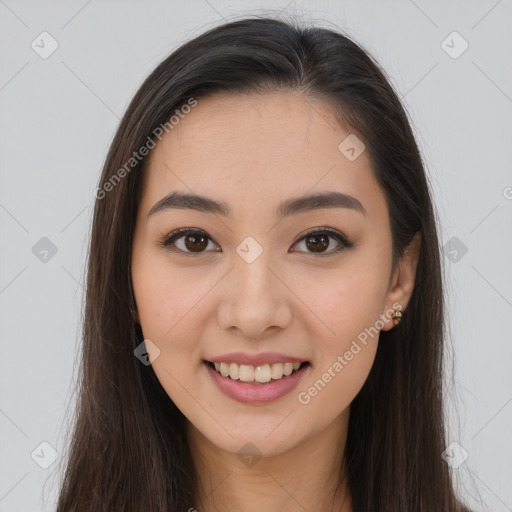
<point x="262" y="373"/>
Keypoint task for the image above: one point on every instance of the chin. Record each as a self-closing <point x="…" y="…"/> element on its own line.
<point x="257" y="439"/>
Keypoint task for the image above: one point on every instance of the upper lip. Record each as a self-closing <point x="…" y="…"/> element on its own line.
<point x="256" y="359"/>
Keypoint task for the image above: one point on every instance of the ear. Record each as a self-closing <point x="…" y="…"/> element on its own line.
<point x="402" y="281"/>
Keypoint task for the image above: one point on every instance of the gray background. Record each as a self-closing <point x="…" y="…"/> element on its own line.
<point x="58" y="116"/>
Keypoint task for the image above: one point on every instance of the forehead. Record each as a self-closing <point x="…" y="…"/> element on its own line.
<point x="256" y="149"/>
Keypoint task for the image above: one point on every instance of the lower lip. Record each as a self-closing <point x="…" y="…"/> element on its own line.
<point x="256" y="393"/>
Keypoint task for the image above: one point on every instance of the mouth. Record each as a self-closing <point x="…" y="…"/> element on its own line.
<point x="260" y="384"/>
<point x="257" y="375"/>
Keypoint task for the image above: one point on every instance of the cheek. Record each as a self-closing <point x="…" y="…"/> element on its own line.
<point x="167" y="297"/>
<point x="345" y="322"/>
<point x="169" y="303"/>
<point x="345" y="356"/>
<point x="344" y="301"/>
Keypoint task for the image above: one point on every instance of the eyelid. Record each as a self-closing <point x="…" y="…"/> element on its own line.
<point x="324" y="229"/>
<point x="180" y="232"/>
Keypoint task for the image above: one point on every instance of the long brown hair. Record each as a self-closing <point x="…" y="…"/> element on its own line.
<point x="128" y="450"/>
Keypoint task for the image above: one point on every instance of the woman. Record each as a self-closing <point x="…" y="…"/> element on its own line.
<point x="264" y="310"/>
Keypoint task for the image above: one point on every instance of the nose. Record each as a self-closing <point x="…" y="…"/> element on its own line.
<point x="256" y="301"/>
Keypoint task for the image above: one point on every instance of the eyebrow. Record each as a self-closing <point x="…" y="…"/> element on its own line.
<point x="179" y="200"/>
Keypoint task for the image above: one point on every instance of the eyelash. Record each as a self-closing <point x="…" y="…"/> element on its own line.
<point x="175" y="235"/>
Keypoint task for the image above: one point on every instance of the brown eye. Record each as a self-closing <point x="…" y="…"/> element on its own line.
<point x="191" y="241"/>
<point x="187" y="241"/>
<point x="196" y="242"/>
<point x="317" y="243"/>
<point x="323" y="242"/>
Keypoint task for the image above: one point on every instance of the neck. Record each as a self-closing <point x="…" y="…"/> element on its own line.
<point x="311" y="476"/>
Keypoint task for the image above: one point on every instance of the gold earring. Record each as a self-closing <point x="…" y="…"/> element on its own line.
<point x="397" y="317"/>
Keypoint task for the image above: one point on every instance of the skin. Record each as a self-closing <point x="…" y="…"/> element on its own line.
<point x="254" y="152"/>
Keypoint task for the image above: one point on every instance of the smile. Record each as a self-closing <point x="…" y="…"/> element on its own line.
<point x="259" y="374"/>
<point x="258" y="384"/>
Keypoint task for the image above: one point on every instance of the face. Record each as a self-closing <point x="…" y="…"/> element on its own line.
<point x="257" y="277"/>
